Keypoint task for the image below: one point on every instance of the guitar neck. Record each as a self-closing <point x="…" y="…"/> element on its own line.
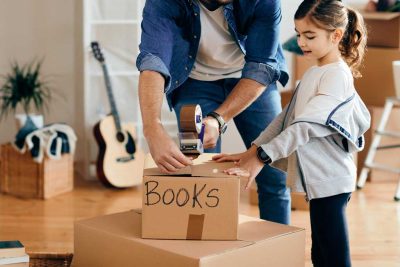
<point x="111" y="99"/>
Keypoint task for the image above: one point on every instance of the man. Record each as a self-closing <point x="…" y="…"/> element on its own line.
<point x="222" y="55"/>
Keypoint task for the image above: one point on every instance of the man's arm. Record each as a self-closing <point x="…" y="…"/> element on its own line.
<point x="163" y="149"/>
<point x="157" y="28"/>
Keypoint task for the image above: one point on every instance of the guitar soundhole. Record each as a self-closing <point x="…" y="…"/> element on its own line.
<point x="120" y="137"/>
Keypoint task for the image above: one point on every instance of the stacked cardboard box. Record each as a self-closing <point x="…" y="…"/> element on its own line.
<point x="198" y="202"/>
<point x="115" y="240"/>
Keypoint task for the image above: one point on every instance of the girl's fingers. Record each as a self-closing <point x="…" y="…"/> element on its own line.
<point x="237" y="172"/>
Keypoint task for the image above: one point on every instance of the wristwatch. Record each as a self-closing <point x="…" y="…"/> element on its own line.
<point x="221" y="122"/>
<point x="262" y="156"/>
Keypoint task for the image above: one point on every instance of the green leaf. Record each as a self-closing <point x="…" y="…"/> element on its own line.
<point x="24" y="87"/>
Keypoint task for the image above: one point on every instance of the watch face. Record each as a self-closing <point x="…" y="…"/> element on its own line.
<point x="263" y="155"/>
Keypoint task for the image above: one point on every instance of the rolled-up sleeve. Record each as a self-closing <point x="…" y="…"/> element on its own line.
<point x="156" y="40"/>
<point x="148" y="61"/>
<point x="262" y="43"/>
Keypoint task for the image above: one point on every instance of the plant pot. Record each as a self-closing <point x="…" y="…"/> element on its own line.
<point x="36" y="119"/>
<point x="396" y="75"/>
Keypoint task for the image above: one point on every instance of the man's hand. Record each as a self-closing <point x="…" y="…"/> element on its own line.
<point x="211" y="132"/>
<point x="247" y="164"/>
<point x="165" y="152"/>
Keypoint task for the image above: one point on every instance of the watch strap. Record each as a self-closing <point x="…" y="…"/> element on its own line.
<point x="262" y="156"/>
<point x="221" y="122"/>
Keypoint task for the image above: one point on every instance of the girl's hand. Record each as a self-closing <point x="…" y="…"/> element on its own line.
<point x="247" y="164"/>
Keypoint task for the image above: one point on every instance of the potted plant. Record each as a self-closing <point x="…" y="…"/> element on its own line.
<point x="25" y="88"/>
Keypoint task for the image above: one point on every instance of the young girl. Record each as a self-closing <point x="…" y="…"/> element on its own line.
<point x="315" y="135"/>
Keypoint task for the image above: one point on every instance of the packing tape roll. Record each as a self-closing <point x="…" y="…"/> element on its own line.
<point x="191" y="118"/>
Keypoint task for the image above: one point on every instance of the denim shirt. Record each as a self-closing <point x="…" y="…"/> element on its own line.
<point x="171" y="34"/>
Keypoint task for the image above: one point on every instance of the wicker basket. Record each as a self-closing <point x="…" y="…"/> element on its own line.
<point x="50" y="260"/>
<point x="21" y="176"/>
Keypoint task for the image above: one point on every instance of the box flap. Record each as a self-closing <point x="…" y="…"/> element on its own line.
<point x="127" y="225"/>
<point x="380" y="15"/>
<point x="203" y="166"/>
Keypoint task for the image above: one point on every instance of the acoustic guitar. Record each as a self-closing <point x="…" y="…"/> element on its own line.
<point x="119" y="162"/>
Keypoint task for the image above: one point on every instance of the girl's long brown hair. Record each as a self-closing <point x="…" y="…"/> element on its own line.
<point x="333" y="14"/>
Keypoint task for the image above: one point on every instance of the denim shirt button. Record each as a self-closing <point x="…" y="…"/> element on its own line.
<point x="195" y="14"/>
<point x="190" y="56"/>
<point x="176" y="82"/>
<point x="186" y="68"/>
<point x="195" y="36"/>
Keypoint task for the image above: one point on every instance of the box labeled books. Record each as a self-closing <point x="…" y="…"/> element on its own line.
<point x="198" y="202"/>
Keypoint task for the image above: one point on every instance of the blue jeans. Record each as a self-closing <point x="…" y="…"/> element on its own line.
<point x="273" y="196"/>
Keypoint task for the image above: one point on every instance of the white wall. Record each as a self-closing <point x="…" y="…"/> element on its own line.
<point x="41" y="29"/>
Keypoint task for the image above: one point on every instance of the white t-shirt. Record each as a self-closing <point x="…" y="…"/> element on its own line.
<point x="218" y="56"/>
<point x="334" y="79"/>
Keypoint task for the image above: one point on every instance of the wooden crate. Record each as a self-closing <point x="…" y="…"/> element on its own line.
<point x="21" y="176"/>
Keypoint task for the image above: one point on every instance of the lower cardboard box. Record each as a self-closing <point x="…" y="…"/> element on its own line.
<point x="115" y="240"/>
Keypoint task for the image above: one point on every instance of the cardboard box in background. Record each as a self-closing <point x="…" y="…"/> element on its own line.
<point x="383" y="29"/>
<point x="198" y="202"/>
<point x="114" y="240"/>
<point x="377" y="82"/>
<point x="298" y="201"/>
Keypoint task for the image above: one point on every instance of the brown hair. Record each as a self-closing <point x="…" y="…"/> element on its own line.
<point x="333" y="14"/>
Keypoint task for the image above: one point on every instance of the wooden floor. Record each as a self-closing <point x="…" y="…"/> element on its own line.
<point x="47" y="226"/>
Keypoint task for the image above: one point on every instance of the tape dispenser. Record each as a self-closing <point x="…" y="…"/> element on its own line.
<point x="191" y="130"/>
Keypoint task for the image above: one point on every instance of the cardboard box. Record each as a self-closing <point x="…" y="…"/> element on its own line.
<point x="383" y="29"/>
<point x="198" y="202"/>
<point x="22" y="177"/>
<point x="114" y="240"/>
<point x="298" y="201"/>
<point x="377" y="82"/>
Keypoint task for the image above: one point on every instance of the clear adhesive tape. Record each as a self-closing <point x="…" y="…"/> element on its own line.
<point x="191" y="118"/>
